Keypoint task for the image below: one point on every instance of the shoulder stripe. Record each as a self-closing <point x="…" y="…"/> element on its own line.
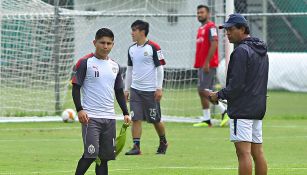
<point x="83" y="58"/>
<point x="154" y="44"/>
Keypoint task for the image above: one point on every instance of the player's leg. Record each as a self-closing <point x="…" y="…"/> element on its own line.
<point x="90" y="135"/>
<point x="153" y="115"/>
<point x="241" y="135"/>
<point x="257" y="149"/>
<point x="136" y="130"/>
<point x="102" y="169"/>
<point x="83" y="165"/>
<point x="204" y="81"/>
<point x="107" y="145"/>
<point x="137" y="114"/>
<point x="220" y="107"/>
<point x="160" y="129"/>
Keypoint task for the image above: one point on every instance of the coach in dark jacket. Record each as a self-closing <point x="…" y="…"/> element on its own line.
<point x="247" y="78"/>
<point x="245" y="92"/>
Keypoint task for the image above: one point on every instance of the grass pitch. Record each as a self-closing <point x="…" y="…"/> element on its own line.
<point x="54" y="148"/>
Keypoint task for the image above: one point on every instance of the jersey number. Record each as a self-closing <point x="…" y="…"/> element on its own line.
<point x="96" y="73"/>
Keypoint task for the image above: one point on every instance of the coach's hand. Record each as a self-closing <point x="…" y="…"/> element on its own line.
<point x="126" y="96"/>
<point x="82" y="116"/>
<point x="213" y="97"/>
<point x="158" y="95"/>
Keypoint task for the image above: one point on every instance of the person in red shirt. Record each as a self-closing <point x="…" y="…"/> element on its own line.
<point x="206" y="61"/>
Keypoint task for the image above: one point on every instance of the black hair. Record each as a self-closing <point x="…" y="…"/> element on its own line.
<point x="141" y="25"/>
<point x="203" y="6"/>
<point x="239" y="26"/>
<point x="104" y="32"/>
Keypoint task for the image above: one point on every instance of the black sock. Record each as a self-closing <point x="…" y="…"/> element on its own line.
<point x="208" y="122"/>
<point x="83" y="165"/>
<point x="102" y="169"/>
<point x="137" y="142"/>
<point x="163" y="139"/>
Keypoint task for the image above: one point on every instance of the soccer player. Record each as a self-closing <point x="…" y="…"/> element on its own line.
<point x="145" y="77"/>
<point x="98" y="77"/>
<point x="245" y="92"/>
<point x="206" y="61"/>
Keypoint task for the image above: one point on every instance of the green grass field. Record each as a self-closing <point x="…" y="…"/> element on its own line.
<point x="186" y="103"/>
<point x="54" y="148"/>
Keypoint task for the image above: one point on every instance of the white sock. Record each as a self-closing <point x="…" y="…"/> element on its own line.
<point x="206" y="114"/>
<point x="221" y="107"/>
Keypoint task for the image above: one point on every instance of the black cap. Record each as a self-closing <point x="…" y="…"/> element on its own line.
<point x="233" y="19"/>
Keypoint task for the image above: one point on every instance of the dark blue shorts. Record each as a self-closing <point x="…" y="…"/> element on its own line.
<point x="143" y="106"/>
<point x="99" y="138"/>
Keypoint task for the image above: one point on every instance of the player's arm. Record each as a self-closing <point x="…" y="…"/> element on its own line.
<point x="159" y="83"/>
<point x="212" y="49"/>
<point x="120" y="97"/>
<point x="237" y="75"/>
<point x="128" y="80"/>
<point x="159" y="62"/>
<point x="78" y="77"/>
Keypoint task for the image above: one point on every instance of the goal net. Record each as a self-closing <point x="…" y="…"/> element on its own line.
<point x="42" y="39"/>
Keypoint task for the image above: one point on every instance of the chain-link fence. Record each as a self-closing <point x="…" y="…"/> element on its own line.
<point x="281" y="24"/>
<point x="55" y="33"/>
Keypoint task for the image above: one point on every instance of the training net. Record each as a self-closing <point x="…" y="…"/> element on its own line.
<point x="42" y="39"/>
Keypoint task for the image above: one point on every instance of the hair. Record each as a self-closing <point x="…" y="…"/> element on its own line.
<point x="203" y="6"/>
<point x="239" y="26"/>
<point x="141" y="25"/>
<point x="104" y="32"/>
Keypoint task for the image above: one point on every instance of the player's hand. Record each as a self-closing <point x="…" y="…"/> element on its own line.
<point x="126" y="96"/>
<point x="82" y="116"/>
<point x="213" y="97"/>
<point x="127" y="119"/>
<point x="158" y="95"/>
<point x="206" y="68"/>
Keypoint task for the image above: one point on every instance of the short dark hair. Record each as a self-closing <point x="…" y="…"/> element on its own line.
<point x="141" y="25"/>
<point x="239" y="26"/>
<point x="104" y="32"/>
<point x="203" y="6"/>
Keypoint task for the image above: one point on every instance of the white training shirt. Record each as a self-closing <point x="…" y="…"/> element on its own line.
<point x="97" y="79"/>
<point x="144" y="59"/>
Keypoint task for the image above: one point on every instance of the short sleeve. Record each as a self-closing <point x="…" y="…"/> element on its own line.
<point x="79" y="72"/>
<point x="213" y="34"/>
<point x="158" y="56"/>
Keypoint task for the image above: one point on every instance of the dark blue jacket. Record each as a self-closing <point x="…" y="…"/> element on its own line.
<point x="247" y="79"/>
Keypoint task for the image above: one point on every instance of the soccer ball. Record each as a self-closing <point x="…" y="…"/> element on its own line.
<point x="68" y="115"/>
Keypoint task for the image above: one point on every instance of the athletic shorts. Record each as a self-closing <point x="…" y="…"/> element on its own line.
<point x="245" y="130"/>
<point x="99" y="138"/>
<point x="143" y="106"/>
<point x="206" y="80"/>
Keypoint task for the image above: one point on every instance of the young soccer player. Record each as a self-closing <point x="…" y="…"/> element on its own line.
<point x="206" y="61"/>
<point x="98" y="77"/>
<point x="145" y="77"/>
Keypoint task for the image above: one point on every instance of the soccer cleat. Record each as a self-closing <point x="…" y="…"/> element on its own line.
<point x="202" y="124"/>
<point x="134" y="151"/>
<point x="225" y="119"/>
<point x="162" y="148"/>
